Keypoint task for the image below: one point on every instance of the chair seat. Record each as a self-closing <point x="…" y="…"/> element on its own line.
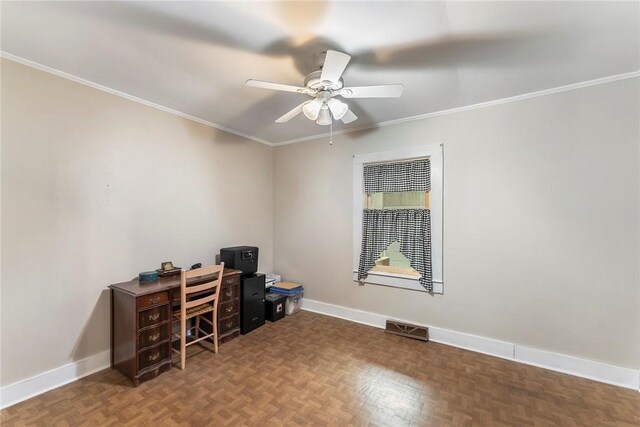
<point x="194" y="311"/>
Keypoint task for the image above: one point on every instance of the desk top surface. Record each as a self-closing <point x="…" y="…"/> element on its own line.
<point x="136" y="288"/>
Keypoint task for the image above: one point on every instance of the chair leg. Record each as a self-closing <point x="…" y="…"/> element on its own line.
<point x="197" y="326"/>
<point x="215" y="329"/>
<point x="183" y="342"/>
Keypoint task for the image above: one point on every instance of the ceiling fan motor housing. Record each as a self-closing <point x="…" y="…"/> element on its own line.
<point x="313" y="81"/>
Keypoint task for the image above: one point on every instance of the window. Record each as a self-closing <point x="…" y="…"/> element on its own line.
<point x="392" y="268"/>
<point x="391" y="259"/>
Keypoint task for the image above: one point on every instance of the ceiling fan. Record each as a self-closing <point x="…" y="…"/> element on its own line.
<point x="324" y="86"/>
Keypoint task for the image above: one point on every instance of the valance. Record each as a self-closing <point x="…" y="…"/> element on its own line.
<point x="412" y="175"/>
<point x="409" y="227"/>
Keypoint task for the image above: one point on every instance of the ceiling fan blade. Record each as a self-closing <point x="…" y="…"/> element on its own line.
<point x="474" y="49"/>
<point x="380" y="91"/>
<point x="334" y="65"/>
<point x="349" y="117"/>
<point x="275" y="86"/>
<point x="187" y="21"/>
<point x="291" y="114"/>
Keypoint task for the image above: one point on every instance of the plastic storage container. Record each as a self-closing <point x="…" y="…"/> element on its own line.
<point x="293" y="303"/>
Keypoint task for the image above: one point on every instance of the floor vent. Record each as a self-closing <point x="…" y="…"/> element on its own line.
<point x="407" y="330"/>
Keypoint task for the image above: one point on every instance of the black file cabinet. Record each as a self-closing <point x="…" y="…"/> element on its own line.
<point x="252" y="302"/>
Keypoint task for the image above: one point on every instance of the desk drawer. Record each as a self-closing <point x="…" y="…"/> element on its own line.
<point x="153" y="336"/>
<point x="153" y="316"/>
<point x="152" y="299"/>
<point x="226" y="309"/>
<point x="225" y="325"/>
<point x="231" y="280"/>
<point x="154" y="355"/>
<point x="229" y="293"/>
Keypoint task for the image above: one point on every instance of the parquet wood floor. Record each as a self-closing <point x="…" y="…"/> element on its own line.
<point x="310" y="369"/>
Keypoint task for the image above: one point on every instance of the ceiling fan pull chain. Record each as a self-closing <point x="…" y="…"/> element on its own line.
<point x="331" y="133"/>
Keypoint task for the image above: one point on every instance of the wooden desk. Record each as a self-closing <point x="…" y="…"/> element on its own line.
<point x="141" y="322"/>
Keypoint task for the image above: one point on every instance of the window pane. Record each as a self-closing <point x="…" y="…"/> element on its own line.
<point x="404" y="200"/>
<point x="393" y="261"/>
<point x="376" y="201"/>
<point x="409" y="199"/>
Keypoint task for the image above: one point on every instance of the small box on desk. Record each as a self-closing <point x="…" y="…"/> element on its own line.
<point x="274" y="306"/>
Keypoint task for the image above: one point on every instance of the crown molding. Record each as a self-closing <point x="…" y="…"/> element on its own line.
<point x="522" y="97"/>
<point x="103" y="88"/>
<point x="124" y="95"/>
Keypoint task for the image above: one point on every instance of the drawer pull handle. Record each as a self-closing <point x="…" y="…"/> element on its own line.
<point x="228" y="294"/>
<point x="229" y="324"/>
<point x="154" y="316"/>
<point x="154" y="357"/>
<point x="154" y="337"/>
<point x="229" y="309"/>
<point x="154" y="300"/>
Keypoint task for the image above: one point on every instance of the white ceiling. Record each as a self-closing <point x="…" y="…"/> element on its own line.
<point x="195" y="57"/>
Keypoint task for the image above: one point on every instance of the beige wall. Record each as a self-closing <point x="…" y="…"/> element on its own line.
<point x="95" y="189"/>
<point x="542" y="216"/>
<point x="541" y="226"/>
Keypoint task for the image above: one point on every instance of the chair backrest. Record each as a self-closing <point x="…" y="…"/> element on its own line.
<point x="212" y="285"/>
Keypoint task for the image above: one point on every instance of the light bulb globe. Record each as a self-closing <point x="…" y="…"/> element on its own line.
<point x="311" y="109"/>
<point x="324" y="117"/>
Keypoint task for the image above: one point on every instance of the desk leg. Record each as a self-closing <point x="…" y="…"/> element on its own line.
<point x="111" y="325"/>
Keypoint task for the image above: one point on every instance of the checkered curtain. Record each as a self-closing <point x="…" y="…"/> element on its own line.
<point x="412" y="175"/>
<point x="410" y="227"/>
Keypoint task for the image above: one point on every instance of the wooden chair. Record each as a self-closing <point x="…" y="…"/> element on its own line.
<point x="198" y="306"/>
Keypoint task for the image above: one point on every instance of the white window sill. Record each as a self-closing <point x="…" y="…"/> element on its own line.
<point x="403" y="281"/>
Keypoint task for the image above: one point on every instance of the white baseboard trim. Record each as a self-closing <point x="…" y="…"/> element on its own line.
<point x="54" y="378"/>
<point x="597" y="371"/>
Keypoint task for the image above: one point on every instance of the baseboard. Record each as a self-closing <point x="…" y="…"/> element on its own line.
<point x="54" y="378"/>
<point x="597" y="371"/>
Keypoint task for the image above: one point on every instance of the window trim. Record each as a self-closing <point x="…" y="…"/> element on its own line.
<point x="435" y="152"/>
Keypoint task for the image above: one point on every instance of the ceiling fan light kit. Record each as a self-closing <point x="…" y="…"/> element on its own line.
<point x="338" y="108"/>
<point x="324" y="85"/>
<point x="311" y="109"/>
<point x="324" y="118"/>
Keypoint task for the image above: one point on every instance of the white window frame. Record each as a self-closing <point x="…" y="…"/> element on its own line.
<point x="435" y="152"/>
